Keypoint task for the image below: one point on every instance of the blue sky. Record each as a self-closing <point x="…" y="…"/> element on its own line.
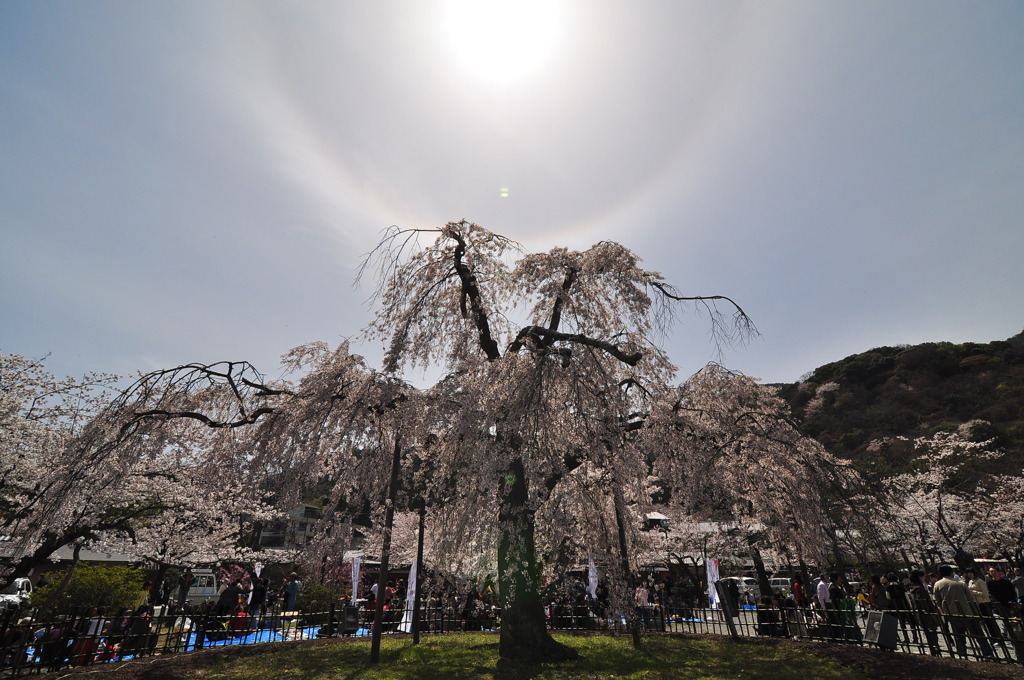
<point x="196" y="181"/>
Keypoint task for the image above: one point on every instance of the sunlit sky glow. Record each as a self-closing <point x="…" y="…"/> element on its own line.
<point x="502" y="42"/>
<point x="197" y="181"/>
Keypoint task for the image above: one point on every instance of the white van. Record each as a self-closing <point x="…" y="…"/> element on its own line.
<point x="16" y="593"/>
<point x="203" y="587"/>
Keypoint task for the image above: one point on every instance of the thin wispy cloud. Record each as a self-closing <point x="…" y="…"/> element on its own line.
<point x="198" y="182"/>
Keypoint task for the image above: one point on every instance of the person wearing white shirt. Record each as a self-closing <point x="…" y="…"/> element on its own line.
<point x="824" y="599"/>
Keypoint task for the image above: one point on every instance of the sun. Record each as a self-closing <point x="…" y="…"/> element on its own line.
<point x="502" y="41"/>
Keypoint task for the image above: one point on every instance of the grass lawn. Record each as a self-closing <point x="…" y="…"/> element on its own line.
<point x="475" y="656"/>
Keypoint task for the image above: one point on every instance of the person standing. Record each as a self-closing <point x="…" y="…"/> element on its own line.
<point x="164" y="592"/>
<point x="291" y="592"/>
<point x="1018" y="584"/>
<point x="259" y="597"/>
<point x="958" y="605"/>
<point x="843" y="616"/>
<point x="979" y="588"/>
<point x="142" y="602"/>
<point x="877" y="596"/>
<point x="822" y="591"/>
<point x="1002" y="593"/>
<point x="924" y="608"/>
<point x="227" y="602"/>
<point x="798" y="592"/>
<point x="1004" y="600"/>
<point x="184" y="583"/>
<point x="896" y="594"/>
<point x="641" y="597"/>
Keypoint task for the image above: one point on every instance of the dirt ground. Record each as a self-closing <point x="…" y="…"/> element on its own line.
<point x="887" y="665"/>
<point x="876" y="663"/>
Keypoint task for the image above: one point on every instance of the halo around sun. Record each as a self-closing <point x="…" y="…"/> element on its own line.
<point x="502" y="41"/>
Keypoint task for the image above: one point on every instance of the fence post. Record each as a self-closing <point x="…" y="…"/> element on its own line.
<point x="201" y="632"/>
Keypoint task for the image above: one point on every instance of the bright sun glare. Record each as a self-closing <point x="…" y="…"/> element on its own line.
<point x="502" y="41"/>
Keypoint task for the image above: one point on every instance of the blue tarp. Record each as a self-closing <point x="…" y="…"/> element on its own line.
<point x="254" y="637"/>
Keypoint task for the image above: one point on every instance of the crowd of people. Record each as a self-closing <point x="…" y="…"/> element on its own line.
<point x="100" y="635"/>
<point x="936" y="612"/>
<point x="982" y="607"/>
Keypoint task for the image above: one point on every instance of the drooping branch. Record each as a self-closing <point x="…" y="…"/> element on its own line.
<point x="546" y="336"/>
<point x="741" y="328"/>
<point x="159" y="395"/>
<point x="161" y="414"/>
<point x="389" y="253"/>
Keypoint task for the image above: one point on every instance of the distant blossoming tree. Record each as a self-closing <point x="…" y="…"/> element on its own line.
<point x="725" y="448"/>
<point x="202" y="518"/>
<point x="947" y="507"/>
<point x="75" y="474"/>
<point x="1004" y="532"/>
<point x="46" y="499"/>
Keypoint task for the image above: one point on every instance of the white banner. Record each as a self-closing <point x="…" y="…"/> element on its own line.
<point x="712" y="566"/>
<point x="592" y="579"/>
<point x="410" y="600"/>
<point x="355" y="580"/>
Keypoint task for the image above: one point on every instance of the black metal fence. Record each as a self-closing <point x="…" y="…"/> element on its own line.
<point x="29" y="645"/>
<point x="994" y="637"/>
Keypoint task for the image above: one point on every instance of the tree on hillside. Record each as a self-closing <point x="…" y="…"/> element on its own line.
<point x="946" y="507"/>
<point x="1003" y="534"/>
<point x="914" y="391"/>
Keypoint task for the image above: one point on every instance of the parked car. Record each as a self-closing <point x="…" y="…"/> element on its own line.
<point x="781" y="586"/>
<point x="750" y="592"/>
<point x="16" y="593"/>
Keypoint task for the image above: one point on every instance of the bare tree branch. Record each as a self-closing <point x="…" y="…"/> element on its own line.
<point x="545" y="337"/>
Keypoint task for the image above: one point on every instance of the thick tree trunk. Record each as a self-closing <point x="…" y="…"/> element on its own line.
<point x="417" y="598"/>
<point x="385" y="552"/>
<point x="626" y="575"/>
<point x="524" y="633"/>
<point x="763" y="584"/>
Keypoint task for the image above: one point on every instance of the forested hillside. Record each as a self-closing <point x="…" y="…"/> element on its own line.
<point x="915" y="391"/>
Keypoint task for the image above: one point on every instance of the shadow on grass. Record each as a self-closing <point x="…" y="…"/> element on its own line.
<point x="600" y="656"/>
<point x="475" y="657"/>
